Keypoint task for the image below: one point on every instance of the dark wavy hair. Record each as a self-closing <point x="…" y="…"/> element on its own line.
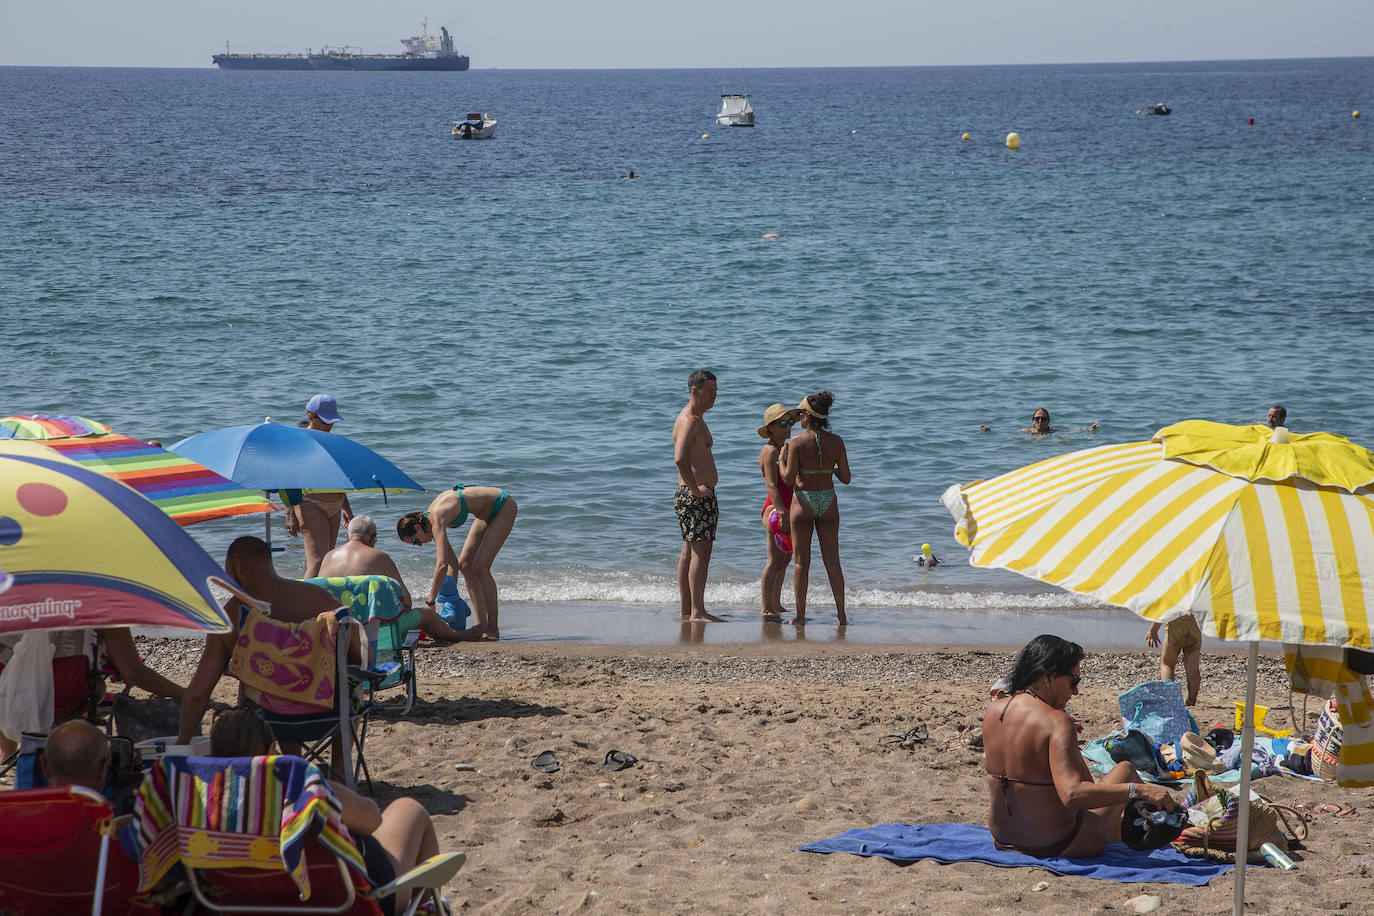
<point x="408" y="523"/>
<point x="820" y="402"/>
<point x="1045" y="654"/>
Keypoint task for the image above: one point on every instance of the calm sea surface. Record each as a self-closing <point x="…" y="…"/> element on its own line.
<point x="187" y="249"/>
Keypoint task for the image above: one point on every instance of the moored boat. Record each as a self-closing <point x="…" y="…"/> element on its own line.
<point x="735" y="111"/>
<point x="478" y="126"/>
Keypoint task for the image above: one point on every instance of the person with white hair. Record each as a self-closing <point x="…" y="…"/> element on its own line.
<point x="359" y="556"/>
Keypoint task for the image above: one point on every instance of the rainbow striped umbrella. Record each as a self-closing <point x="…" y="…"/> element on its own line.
<point x="185" y="490"/>
<point x="87" y="551"/>
<point x="40" y="426"/>
<point x="1259" y="534"/>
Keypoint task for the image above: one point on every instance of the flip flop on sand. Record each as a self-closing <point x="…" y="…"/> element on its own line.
<point x="907" y="739"/>
<point x="619" y="760"/>
<point x="546" y="763"/>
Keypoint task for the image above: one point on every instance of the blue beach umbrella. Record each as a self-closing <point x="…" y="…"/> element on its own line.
<point x="270" y="456"/>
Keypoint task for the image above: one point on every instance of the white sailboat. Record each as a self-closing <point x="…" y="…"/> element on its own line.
<point x="735" y="111"/>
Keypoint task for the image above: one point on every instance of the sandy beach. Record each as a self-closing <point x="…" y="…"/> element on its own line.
<point x="746" y="752"/>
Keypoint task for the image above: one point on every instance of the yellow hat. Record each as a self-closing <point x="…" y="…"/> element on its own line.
<point x="806" y="406"/>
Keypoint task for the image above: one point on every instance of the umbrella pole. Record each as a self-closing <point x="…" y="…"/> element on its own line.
<point x="267" y="520"/>
<point x="1247" y="748"/>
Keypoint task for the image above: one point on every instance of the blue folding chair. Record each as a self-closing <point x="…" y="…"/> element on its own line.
<point x="391" y="630"/>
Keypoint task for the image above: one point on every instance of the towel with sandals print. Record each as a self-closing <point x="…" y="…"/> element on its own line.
<point x="213" y="812"/>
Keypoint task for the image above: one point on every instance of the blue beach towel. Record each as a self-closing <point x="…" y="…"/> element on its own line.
<point x="948" y="843"/>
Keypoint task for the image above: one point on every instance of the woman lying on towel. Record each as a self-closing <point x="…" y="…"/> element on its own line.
<point x="391" y="842"/>
<point x="1044" y="801"/>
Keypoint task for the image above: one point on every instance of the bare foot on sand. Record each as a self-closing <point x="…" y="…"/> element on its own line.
<point x="704" y="617"/>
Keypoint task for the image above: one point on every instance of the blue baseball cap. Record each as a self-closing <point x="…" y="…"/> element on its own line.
<point x="325" y="407"/>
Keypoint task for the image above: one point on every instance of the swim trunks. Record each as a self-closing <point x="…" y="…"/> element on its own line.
<point x="1184" y="633"/>
<point x="696" y="516"/>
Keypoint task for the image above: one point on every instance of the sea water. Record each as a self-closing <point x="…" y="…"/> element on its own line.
<point x="182" y="250"/>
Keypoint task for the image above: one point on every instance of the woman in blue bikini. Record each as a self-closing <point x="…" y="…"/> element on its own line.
<point x="493" y="516"/>
<point x="810" y="463"/>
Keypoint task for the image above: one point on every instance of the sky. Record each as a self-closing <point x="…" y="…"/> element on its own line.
<point x="615" y="34"/>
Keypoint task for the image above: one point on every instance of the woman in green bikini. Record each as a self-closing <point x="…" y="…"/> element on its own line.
<point x="493" y="515"/>
<point x="811" y="463"/>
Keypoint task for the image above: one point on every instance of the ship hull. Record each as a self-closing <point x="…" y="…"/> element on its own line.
<point x="386" y="62"/>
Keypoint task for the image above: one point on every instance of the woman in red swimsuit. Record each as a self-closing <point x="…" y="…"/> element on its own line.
<point x="777" y="429"/>
<point x="1044" y="801"/>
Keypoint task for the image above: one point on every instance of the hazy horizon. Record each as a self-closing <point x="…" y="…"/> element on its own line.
<point x="712" y="34"/>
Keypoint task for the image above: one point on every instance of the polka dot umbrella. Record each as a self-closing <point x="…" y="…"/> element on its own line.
<point x="88" y="551"/>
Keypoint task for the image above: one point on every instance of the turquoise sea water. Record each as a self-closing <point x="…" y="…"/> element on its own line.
<point x="186" y="249"/>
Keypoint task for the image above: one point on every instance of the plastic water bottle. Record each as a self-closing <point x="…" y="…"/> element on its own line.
<point x="1276" y="857"/>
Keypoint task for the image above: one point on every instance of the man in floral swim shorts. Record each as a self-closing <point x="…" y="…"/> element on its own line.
<point x="695" y="499"/>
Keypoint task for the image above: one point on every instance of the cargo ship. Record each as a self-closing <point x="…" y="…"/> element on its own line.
<point x="423" y="52"/>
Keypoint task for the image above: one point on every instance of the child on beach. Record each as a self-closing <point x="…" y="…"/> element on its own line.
<point x="1180" y="635"/>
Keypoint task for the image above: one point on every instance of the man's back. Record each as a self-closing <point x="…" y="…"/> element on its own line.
<point x="354" y="558"/>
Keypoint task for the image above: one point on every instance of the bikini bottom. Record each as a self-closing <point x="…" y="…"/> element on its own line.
<point x="818" y="501"/>
<point x="1054" y="849"/>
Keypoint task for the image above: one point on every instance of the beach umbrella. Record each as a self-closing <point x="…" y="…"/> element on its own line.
<point x="271" y="456"/>
<point x="87" y="551"/>
<point x="6" y="580"/>
<point x="1258" y="533"/>
<point x="185" y="490"/>
<point x="40" y="426"/>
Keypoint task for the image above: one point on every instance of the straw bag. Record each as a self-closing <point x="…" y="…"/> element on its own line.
<point x="1326" y="742"/>
<point x="1217" y="839"/>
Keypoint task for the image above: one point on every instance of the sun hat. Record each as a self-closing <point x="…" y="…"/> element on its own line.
<point x="325" y="407"/>
<point x="773" y="414"/>
<point x="1197" y="753"/>
<point x="806" y="406"/>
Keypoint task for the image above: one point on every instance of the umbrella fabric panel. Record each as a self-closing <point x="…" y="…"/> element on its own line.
<point x="85" y="550"/>
<point x="1263" y="560"/>
<point x="39" y="426"/>
<point x="186" y="491"/>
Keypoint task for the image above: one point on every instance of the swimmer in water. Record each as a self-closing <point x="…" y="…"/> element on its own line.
<point x="770" y="235"/>
<point x="1040" y="425"/>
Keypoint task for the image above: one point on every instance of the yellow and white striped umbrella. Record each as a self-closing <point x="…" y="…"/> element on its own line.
<point x="1257" y="538"/>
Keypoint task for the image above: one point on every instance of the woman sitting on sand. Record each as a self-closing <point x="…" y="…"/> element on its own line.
<point x="1044" y="801"/>
<point x="493" y="516"/>
<point x="809" y="464"/>
<point x="777" y="428"/>
<point x="391" y="842"/>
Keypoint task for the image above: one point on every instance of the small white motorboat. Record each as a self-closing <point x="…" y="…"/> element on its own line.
<point x="735" y="111"/>
<point x="478" y="126"/>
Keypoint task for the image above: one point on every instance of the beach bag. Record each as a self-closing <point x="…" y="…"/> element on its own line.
<point x="1326" y="742"/>
<point x="1156" y="708"/>
<point x="1216" y="838"/>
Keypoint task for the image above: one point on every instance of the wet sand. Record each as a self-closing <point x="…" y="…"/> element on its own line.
<point x="746" y="751"/>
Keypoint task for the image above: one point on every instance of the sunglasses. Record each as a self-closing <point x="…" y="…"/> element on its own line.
<point x="1074" y="680"/>
<point x="786" y="424"/>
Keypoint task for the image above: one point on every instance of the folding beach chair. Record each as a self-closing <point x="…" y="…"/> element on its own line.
<point x="390" y="627"/>
<point x="300" y="677"/>
<point x="56" y="850"/>
<point x="262" y="835"/>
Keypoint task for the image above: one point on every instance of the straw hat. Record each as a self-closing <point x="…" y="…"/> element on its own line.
<point x="773" y="414"/>
<point x="806" y="406"/>
<point x="1197" y="753"/>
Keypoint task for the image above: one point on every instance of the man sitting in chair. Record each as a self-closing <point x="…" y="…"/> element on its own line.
<point x="359" y="556"/>
<point x="249" y="563"/>
<point x="77" y="754"/>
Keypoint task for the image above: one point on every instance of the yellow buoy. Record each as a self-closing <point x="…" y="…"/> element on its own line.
<point x="706" y="136"/>
<point x="1355" y="113"/>
<point x="966" y="136"/>
<point x="1013" y="140"/>
<point x="1137" y="111"/>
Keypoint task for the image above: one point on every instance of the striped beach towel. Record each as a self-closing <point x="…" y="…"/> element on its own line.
<point x="1321" y="672"/>
<point x="228" y="812"/>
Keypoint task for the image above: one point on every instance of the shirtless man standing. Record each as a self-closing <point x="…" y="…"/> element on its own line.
<point x="695" y="499"/>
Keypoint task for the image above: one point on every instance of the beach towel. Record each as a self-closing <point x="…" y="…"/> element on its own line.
<point x="218" y="812"/>
<point x="291" y="664"/>
<point x="946" y="843"/>
<point x="1321" y="671"/>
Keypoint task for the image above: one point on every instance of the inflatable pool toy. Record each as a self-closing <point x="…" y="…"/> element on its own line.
<point x="780" y="537"/>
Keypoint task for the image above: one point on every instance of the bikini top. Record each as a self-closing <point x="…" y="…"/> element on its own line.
<point x="820" y="456"/>
<point x="462" y="506"/>
<point x="1008" y="780"/>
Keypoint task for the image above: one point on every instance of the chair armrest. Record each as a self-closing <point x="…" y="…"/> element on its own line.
<point x="433" y="872"/>
<point x="412" y="639"/>
<point x="371" y="675"/>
